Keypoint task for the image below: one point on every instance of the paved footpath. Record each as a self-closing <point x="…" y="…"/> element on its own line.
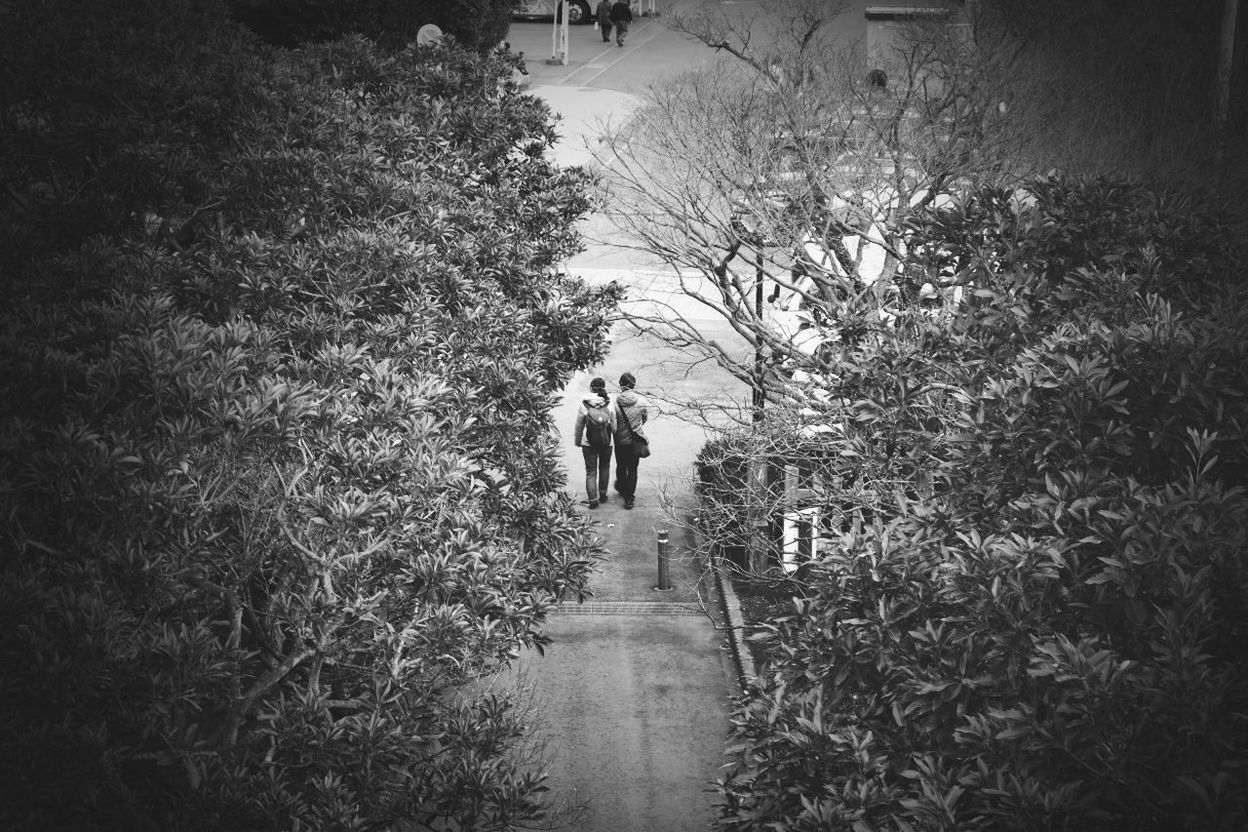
<point x="632" y="698"/>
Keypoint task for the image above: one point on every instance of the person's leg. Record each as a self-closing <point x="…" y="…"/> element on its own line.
<point x="591" y="474"/>
<point x="632" y="481"/>
<point x="606" y="33"/>
<point x="619" y="469"/>
<point x="621" y="30"/>
<point x="604" y="472"/>
<point x="626" y="473"/>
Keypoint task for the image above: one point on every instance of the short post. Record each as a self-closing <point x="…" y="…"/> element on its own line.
<point x="664" y="556"/>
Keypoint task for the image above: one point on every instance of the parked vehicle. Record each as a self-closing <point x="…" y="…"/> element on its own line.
<point x="578" y="10"/>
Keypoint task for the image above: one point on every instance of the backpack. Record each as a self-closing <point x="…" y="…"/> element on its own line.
<point x="597" y="425"/>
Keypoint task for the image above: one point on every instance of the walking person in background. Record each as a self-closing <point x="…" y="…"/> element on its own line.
<point x="621" y="16"/>
<point x="603" y="13"/>
<point x="631" y="413"/>
<point x="595" y="428"/>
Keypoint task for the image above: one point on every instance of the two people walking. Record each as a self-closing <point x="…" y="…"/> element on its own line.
<point x="600" y="424"/>
<point x="616" y="16"/>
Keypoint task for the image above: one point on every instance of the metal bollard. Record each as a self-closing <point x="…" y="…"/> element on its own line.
<point x="664" y="582"/>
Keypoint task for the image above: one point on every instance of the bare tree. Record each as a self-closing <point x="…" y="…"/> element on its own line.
<point x="780" y="184"/>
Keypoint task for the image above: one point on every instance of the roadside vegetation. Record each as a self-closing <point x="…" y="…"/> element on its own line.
<point x="280" y="340"/>
<point x="990" y="503"/>
<point x="1025" y="602"/>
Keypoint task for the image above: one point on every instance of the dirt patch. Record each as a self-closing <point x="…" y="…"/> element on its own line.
<point x="761" y="603"/>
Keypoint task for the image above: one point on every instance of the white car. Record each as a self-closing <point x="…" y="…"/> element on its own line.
<point x="578" y="10"/>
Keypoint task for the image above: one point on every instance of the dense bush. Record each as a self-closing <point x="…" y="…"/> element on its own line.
<point x="475" y="24"/>
<point x="281" y="340"/>
<point x="1034" y="609"/>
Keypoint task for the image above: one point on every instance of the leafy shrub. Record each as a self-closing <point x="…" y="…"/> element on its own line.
<point x="274" y="458"/>
<point x="1037" y="619"/>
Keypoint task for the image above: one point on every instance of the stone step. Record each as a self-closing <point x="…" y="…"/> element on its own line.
<point x="627" y="608"/>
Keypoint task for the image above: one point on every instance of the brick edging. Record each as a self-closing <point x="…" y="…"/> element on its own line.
<point x="742" y="658"/>
<point x="730" y="607"/>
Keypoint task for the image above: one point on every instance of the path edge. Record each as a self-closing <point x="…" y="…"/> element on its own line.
<point x="730" y="608"/>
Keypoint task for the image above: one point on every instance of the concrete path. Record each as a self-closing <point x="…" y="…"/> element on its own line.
<point x="633" y="695"/>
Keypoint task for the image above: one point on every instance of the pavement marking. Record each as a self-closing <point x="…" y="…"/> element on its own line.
<point x="567" y="79"/>
<point x="601" y="272"/>
<point x="626" y="608"/>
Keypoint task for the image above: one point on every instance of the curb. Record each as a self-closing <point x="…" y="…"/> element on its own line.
<point x="742" y="659"/>
<point x="730" y="608"/>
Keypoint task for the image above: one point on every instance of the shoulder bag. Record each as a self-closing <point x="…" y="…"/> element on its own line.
<point x="639" y="443"/>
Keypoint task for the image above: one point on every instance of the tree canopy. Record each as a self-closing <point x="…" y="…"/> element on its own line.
<point x="781" y="184"/>
<point x="281" y="340"/>
<point x="781" y="181"/>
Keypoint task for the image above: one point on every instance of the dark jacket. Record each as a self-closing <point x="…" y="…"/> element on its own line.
<point x="621" y="11"/>
<point x="633" y="406"/>
<point x="603" y="13"/>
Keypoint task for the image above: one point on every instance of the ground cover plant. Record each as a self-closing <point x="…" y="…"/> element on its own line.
<point x="1030" y="603"/>
<point x="279" y="348"/>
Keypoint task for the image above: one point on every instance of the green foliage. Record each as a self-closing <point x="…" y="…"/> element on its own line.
<point x="279" y="353"/>
<point x="476" y="24"/>
<point x="1033" y="608"/>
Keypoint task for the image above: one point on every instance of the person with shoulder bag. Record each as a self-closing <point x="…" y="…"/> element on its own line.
<point x="631" y="442"/>
<point x="595" y="430"/>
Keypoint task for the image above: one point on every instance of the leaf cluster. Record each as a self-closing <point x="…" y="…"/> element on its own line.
<point x="281" y="345"/>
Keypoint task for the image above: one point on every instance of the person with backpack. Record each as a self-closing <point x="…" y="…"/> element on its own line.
<point x="603" y="13"/>
<point x="595" y="429"/>
<point x="631" y="443"/>
<point x="621" y="16"/>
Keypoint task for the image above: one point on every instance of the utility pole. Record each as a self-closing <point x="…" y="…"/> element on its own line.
<point x="1222" y="93"/>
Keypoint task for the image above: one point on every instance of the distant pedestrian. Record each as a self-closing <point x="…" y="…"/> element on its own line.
<point x="631" y="413"/>
<point x="595" y="428"/>
<point x="604" y="19"/>
<point x="621" y="16"/>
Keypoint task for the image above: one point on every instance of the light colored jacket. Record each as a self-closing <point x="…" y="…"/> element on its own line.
<point x="636" y="408"/>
